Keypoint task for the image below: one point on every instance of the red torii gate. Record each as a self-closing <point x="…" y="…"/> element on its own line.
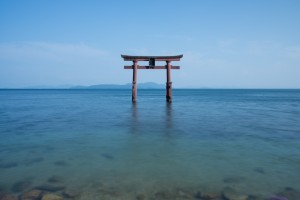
<point x="151" y="65"/>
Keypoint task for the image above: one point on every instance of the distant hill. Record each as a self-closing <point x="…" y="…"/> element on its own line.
<point x="149" y="85"/>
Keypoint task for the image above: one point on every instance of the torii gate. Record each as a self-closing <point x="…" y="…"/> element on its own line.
<point x="152" y="60"/>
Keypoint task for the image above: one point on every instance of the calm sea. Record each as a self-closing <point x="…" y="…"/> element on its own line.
<point x="99" y="144"/>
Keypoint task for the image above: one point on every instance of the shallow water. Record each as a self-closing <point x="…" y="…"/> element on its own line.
<point x="97" y="141"/>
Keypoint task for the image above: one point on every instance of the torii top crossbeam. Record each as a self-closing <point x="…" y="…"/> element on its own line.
<point x="152" y="65"/>
<point x="157" y="58"/>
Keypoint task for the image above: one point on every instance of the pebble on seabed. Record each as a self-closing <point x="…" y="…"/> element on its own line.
<point x="231" y="194"/>
<point x="31" y="195"/>
<point x="51" y="196"/>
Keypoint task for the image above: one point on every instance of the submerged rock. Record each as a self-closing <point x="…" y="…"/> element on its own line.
<point x="1" y="194"/>
<point x="70" y="193"/>
<point x="184" y="195"/>
<point x="34" y="161"/>
<point x="289" y="188"/>
<point x="61" y="163"/>
<point x="255" y="197"/>
<point x="233" y="179"/>
<point x="51" y="196"/>
<point x="288" y="193"/>
<point x="140" y="197"/>
<point x="21" y="186"/>
<point x="8" y="165"/>
<point x="276" y="197"/>
<point x="259" y="170"/>
<point x="109" y="192"/>
<point x="207" y="196"/>
<point x="230" y="194"/>
<point x="163" y="195"/>
<point x="55" y="179"/>
<point x="1" y="188"/>
<point x="50" y="188"/>
<point x="107" y="156"/>
<point x="31" y="195"/>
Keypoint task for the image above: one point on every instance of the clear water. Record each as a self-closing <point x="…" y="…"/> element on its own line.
<point x="206" y="140"/>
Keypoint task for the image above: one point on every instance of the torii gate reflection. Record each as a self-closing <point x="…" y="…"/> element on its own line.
<point x="152" y="60"/>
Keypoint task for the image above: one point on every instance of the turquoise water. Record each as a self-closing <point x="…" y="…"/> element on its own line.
<point x="102" y="146"/>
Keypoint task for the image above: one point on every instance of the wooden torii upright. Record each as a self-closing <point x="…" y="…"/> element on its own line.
<point x="151" y="65"/>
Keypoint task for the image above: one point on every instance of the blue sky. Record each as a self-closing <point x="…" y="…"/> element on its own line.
<point x="226" y="44"/>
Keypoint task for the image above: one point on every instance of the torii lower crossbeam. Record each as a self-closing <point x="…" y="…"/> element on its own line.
<point x="151" y="65"/>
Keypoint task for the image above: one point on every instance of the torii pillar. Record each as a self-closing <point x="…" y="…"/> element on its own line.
<point x="134" y="83"/>
<point x="169" y="83"/>
<point x="151" y="65"/>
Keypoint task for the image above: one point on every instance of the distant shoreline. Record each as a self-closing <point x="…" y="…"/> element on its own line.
<point x="149" y="89"/>
<point x="128" y="86"/>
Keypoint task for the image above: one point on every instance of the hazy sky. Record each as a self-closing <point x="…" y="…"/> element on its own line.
<point x="226" y="44"/>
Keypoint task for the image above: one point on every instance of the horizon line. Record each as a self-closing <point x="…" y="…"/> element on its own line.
<point x="178" y="88"/>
